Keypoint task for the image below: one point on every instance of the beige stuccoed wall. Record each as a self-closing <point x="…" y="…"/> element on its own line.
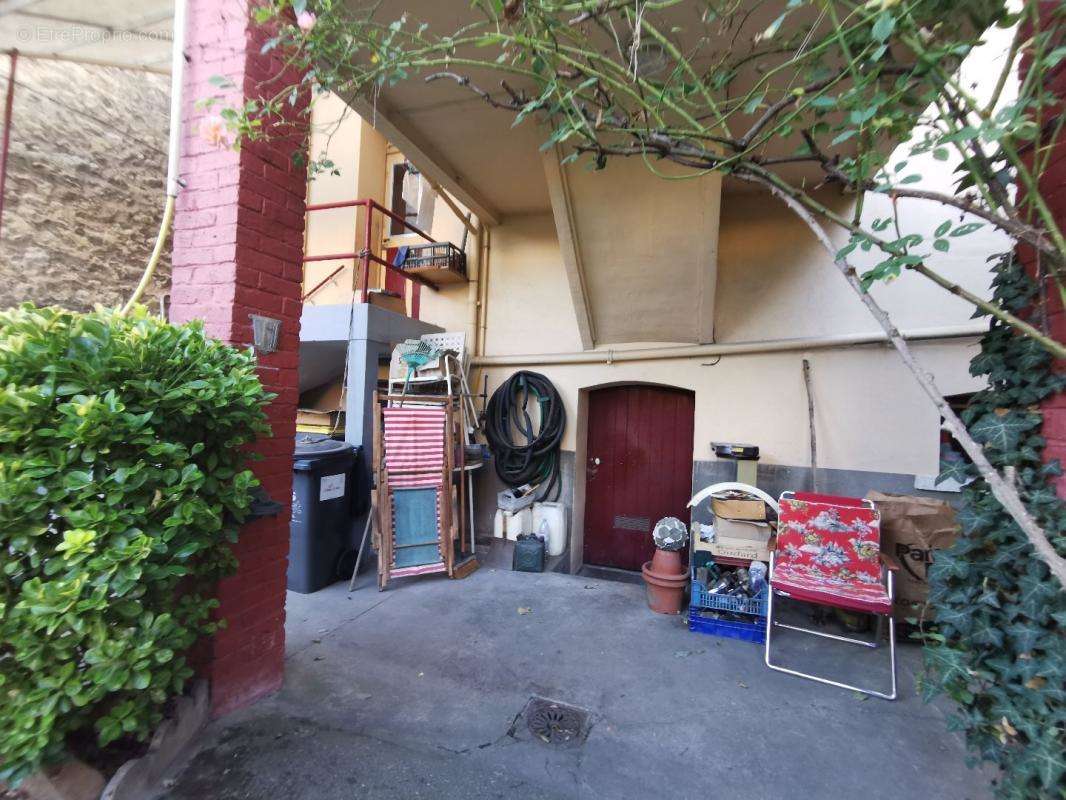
<point x="870" y="414"/>
<point x="773" y="283"/>
<point x="358" y="151"/>
<point x="528" y="306"/>
<point x="774" y="280"/>
<point x="648" y="248"/>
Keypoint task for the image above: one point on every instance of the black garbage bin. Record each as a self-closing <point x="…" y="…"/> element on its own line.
<point x="321" y="510"/>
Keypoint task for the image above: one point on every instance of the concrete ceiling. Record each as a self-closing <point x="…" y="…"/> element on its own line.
<point x="477" y="145"/>
<point x="108" y="32"/>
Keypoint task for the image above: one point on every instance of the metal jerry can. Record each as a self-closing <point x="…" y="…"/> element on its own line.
<point x="528" y="554"/>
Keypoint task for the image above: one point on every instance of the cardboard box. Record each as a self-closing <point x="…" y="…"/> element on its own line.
<point x="322" y="409"/>
<point x="327" y="397"/>
<point x="390" y="301"/>
<point x="755" y="532"/>
<point x="753" y="544"/>
<point x="739" y="509"/>
<point x="740" y="548"/>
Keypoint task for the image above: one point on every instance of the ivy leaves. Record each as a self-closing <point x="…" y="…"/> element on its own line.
<point x="1003" y="429"/>
<point x="122" y="480"/>
<point x="999" y="651"/>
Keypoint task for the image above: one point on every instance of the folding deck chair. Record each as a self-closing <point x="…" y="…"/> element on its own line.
<point x="414" y="492"/>
<point x="828" y="552"/>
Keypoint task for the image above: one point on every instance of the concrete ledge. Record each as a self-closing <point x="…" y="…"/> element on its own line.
<point x="339" y="323"/>
<point x="140" y="778"/>
<point x="71" y="780"/>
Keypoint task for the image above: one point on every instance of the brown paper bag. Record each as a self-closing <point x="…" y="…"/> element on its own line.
<point x="912" y="528"/>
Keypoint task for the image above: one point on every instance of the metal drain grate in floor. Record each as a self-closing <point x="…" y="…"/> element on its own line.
<point x="556" y="723"/>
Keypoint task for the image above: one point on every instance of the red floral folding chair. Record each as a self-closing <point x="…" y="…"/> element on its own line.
<point x="829" y="552"/>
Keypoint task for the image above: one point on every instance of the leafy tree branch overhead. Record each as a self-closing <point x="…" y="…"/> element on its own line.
<point x="835" y="85"/>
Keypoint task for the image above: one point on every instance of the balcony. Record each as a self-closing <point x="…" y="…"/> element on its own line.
<point x="426" y="262"/>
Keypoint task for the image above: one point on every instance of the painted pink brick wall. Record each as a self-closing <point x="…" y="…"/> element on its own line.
<point x="238" y="249"/>
<point x="1053" y="190"/>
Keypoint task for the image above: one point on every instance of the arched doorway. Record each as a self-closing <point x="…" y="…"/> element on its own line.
<point x="638" y="469"/>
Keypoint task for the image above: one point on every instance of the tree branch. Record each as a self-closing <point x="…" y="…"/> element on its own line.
<point x="1027" y="233"/>
<point x="462" y="80"/>
<point x="1004" y="491"/>
<point x="666" y="146"/>
<point x="1019" y="230"/>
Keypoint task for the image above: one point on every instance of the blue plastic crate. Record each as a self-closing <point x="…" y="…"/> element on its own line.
<point x="701" y="598"/>
<point x="745" y="631"/>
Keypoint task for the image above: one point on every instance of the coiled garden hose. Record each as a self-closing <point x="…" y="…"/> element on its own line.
<point x="534" y="458"/>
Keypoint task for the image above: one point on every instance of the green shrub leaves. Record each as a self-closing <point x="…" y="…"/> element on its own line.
<point x="122" y="481"/>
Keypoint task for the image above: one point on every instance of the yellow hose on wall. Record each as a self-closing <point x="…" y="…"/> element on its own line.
<point x="153" y="261"/>
<point x="174" y="183"/>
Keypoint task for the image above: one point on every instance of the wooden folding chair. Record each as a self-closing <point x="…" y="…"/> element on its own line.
<point x="414" y="448"/>
<point x="828" y="552"/>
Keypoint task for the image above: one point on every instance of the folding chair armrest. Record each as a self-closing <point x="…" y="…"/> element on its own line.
<point x="890" y="562"/>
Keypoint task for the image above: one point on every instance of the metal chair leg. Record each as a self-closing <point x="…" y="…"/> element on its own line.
<point x="362" y="547"/>
<point x="892" y="653"/>
<point x="891" y="650"/>
<point x="769" y="620"/>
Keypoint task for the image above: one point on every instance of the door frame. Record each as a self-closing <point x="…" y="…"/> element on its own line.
<point x="577" y="519"/>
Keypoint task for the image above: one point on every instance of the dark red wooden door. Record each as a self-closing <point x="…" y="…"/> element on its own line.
<point x="639" y="470"/>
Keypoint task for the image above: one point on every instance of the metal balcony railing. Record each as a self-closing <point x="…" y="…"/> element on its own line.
<point x="366" y="255"/>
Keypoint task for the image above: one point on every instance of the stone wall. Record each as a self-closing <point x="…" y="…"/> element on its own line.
<point x="85" y="184"/>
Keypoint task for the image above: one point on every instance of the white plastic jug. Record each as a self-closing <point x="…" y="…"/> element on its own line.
<point x="554" y="515"/>
<point x="517" y="522"/>
<point x="499" y="530"/>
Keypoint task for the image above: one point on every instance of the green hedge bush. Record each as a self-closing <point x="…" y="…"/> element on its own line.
<point x="122" y="483"/>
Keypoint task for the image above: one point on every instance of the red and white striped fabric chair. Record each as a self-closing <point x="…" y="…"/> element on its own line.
<point x="828" y="552"/>
<point x="414" y="445"/>
<point x="413" y="441"/>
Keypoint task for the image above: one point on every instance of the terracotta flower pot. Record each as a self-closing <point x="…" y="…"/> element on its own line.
<point x="665" y="578"/>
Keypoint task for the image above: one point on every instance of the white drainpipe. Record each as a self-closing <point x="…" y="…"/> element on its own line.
<point x="177" y="85"/>
<point x="177" y="77"/>
<point x="728" y="348"/>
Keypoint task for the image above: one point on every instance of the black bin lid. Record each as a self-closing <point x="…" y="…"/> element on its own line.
<point x="317" y="445"/>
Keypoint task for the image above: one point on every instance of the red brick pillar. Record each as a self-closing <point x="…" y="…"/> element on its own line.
<point x="1053" y="190"/>
<point x="238" y="248"/>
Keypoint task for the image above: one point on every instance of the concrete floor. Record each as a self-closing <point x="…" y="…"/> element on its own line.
<point x="417" y="692"/>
